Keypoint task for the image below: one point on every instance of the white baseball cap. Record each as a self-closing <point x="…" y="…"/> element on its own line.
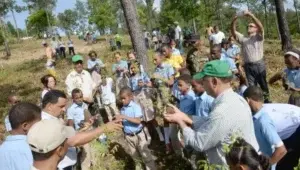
<point x="292" y="54"/>
<point x="46" y="135"/>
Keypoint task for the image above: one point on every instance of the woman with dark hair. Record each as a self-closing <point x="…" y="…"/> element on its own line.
<point x="242" y="156"/>
<point x="49" y="83"/>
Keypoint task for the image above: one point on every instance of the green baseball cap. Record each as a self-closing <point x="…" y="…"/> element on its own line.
<point x="215" y="68"/>
<point x="76" y="58"/>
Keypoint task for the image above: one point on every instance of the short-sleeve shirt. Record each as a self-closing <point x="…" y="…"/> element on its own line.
<point x="15" y="153"/>
<point x="265" y="132"/>
<point x="122" y="64"/>
<point x="175" y="90"/>
<point x="76" y="113"/>
<point x="91" y="63"/>
<point x="293" y="77"/>
<point x="165" y="70"/>
<point x="252" y="47"/>
<point x="217" y="38"/>
<point x="203" y="105"/>
<point x="233" y="51"/>
<point x="187" y="103"/>
<point x="229" y="61"/>
<point x="286" y="118"/>
<point x="134" y="80"/>
<point x="132" y="110"/>
<point x="107" y="94"/>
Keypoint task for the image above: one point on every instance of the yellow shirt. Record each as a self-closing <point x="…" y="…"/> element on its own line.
<point x="175" y="61"/>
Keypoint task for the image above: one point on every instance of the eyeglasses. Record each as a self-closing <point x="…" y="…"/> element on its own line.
<point x="251" y="26"/>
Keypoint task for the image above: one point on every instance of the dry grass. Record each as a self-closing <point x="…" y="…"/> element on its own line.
<point x="22" y="72"/>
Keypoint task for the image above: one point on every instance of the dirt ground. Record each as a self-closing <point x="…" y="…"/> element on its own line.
<point x="22" y="72"/>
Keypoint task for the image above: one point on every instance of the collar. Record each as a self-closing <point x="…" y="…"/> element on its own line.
<point x="48" y="115"/>
<point x="258" y="114"/>
<point x="16" y="137"/>
<point x="189" y="93"/>
<point x="130" y="104"/>
<point x="203" y="96"/>
<point x="217" y="99"/>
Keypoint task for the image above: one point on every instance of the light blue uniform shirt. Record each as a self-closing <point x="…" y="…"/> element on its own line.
<point x="91" y="63"/>
<point x="266" y="134"/>
<point x="293" y="77"/>
<point x="233" y="50"/>
<point x="229" y="61"/>
<point x="15" y="153"/>
<point x="175" y="90"/>
<point x="187" y="103"/>
<point x="165" y="70"/>
<point x="76" y="113"/>
<point x="122" y="64"/>
<point x="134" y="80"/>
<point x="132" y="110"/>
<point x="203" y="105"/>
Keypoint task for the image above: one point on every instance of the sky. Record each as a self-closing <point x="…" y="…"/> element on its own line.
<point x="60" y="7"/>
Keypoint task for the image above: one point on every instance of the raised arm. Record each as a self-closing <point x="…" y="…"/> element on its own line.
<point x="233" y="27"/>
<point x="256" y="21"/>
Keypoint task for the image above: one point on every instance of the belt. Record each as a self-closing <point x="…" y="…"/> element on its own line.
<point x="134" y="134"/>
<point x="255" y="62"/>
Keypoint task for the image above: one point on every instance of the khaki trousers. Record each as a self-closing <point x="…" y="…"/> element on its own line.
<point x="138" y="147"/>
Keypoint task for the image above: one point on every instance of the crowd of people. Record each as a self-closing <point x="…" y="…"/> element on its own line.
<point x="208" y="100"/>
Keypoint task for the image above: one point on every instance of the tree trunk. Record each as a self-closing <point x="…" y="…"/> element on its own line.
<point x="135" y="31"/>
<point x="16" y="25"/>
<point x="6" y="45"/>
<point x="297" y="15"/>
<point x="266" y="18"/>
<point x="286" y="40"/>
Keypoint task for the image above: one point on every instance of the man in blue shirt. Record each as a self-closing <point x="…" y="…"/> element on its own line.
<point x="15" y="153"/>
<point x="265" y="130"/>
<point x="131" y="116"/>
<point x="203" y="102"/>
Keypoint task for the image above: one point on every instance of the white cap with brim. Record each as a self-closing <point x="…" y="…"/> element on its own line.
<point x="292" y="54"/>
<point x="47" y="135"/>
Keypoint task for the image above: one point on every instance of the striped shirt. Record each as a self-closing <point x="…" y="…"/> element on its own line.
<point x="230" y="116"/>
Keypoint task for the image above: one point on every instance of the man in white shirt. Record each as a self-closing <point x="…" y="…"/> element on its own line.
<point x="217" y="37"/>
<point x="286" y="119"/>
<point x="178" y="35"/>
<point x="54" y="105"/>
<point x="80" y="79"/>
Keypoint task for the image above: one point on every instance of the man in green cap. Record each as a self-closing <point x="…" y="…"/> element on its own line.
<point x="230" y="116"/>
<point x="81" y="79"/>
